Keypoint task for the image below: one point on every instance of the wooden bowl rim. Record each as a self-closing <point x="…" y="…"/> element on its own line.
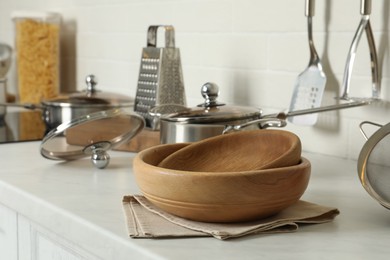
<point x="304" y="163"/>
<point x="292" y="141"/>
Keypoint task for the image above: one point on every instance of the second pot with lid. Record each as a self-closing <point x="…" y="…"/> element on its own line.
<point x="68" y="107"/>
<point x="206" y="120"/>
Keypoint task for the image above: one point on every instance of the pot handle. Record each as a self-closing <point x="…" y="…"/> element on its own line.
<point x="367" y="123"/>
<point x="262" y="123"/>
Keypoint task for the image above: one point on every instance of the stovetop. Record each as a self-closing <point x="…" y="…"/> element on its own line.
<point x="21" y="126"/>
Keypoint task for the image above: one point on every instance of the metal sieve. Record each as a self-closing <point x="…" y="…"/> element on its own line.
<point x="374" y="163"/>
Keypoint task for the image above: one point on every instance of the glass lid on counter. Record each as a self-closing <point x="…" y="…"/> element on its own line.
<point x="91" y="135"/>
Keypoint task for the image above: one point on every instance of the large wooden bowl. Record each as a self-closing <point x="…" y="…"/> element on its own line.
<point x="218" y="196"/>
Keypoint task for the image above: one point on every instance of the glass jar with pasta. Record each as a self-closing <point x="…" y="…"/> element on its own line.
<point x="37" y="44"/>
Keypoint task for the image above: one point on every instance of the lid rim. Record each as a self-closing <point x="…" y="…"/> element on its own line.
<point x="35" y="15"/>
<point x="212" y="117"/>
<point x="85" y="105"/>
<point x="79" y="153"/>
<point x="209" y="119"/>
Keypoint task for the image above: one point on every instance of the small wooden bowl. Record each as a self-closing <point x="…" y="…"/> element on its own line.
<point x="239" y="151"/>
<point x="218" y="196"/>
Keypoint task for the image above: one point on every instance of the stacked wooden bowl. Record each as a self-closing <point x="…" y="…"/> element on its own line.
<point x="236" y="177"/>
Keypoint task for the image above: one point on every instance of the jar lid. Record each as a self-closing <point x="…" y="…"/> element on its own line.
<point x="90" y="97"/>
<point x="38" y="15"/>
<point x="91" y="135"/>
<point x="211" y="111"/>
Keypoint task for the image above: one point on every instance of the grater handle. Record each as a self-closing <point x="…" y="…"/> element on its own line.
<point x="169" y="36"/>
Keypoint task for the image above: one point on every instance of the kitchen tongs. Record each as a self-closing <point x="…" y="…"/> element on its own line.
<point x="365" y="10"/>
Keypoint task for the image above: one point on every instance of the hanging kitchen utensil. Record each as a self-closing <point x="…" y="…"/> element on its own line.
<point x="310" y="84"/>
<point x="96" y="134"/>
<point x="365" y="10"/>
<point x="160" y="78"/>
<point x="374" y="164"/>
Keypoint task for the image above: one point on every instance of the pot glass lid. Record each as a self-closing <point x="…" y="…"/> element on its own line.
<point x="91" y="97"/>
<point x="212" y="111"/>
<point x="374" y="164"/>
<point x="91" y="135"/>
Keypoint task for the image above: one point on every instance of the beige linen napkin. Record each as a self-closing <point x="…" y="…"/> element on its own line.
<point x="144" y="220"/>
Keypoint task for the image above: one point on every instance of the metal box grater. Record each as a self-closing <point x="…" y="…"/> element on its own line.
<point x="160" y="78"/>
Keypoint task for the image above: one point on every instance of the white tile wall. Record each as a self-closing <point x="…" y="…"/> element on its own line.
<point x="254" y="49"/>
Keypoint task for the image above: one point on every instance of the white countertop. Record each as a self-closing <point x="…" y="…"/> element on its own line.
<point x="84" y="205"/>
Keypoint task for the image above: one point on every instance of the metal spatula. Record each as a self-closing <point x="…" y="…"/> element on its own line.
<point x="310" y="84"/>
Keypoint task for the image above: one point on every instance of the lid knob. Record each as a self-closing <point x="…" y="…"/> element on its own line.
<point x="210" y="92"/>
<point x="91" y="81"/>
<point x="100" y="158"/>
<point x="98" y="151"/>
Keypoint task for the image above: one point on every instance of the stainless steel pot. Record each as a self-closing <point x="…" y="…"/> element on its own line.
<point x="208" y="119"/>
<point x="65" y="108"/>
<point x="181" y="124"/>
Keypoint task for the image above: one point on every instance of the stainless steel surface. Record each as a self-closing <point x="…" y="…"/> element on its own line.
<point x="68" y="107"/>
<point x="158" y="111"/>
<point x="349" y="104"/>
<point x="374" y="165"/>
<point x="364" y="25"/>
<point x="56" y="146"/>
<point x="26" y="105"/>
<point x="309" y="8"/>
<point x="365" y="7"/>
<point x="376" y="87"/>
<point x="367" y="123"/>
<point x="310" y="84"/>
<point x="5" y="63"/>
<point x="261" y="123"/>
<point x="5" y="59"/>
<point x="212" y="111"/>
<point x="160" y="78"/>
<point x="212" y="118"/>
<point x="278" y="119"/>
<point x="98" y="152"/>
<point x="206" y="120"/>
<point x="314" y="58"/>
<point x="21" y="126"/>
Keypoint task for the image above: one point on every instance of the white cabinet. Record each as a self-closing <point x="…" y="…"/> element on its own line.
<point x="8" y="234"/>
<point x="21" y="239"/>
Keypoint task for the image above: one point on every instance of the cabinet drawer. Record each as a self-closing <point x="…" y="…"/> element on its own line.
<point x="36" y="242"/>
<point x="8" y="233"/>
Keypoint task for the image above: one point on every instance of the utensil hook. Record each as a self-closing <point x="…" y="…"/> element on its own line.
<point x="367" y="123"/>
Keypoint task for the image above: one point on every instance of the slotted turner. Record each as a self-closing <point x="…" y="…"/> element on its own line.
<point x="310" y="84"/>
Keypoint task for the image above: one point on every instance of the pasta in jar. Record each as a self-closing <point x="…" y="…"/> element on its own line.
<point x="37" y="39"/>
